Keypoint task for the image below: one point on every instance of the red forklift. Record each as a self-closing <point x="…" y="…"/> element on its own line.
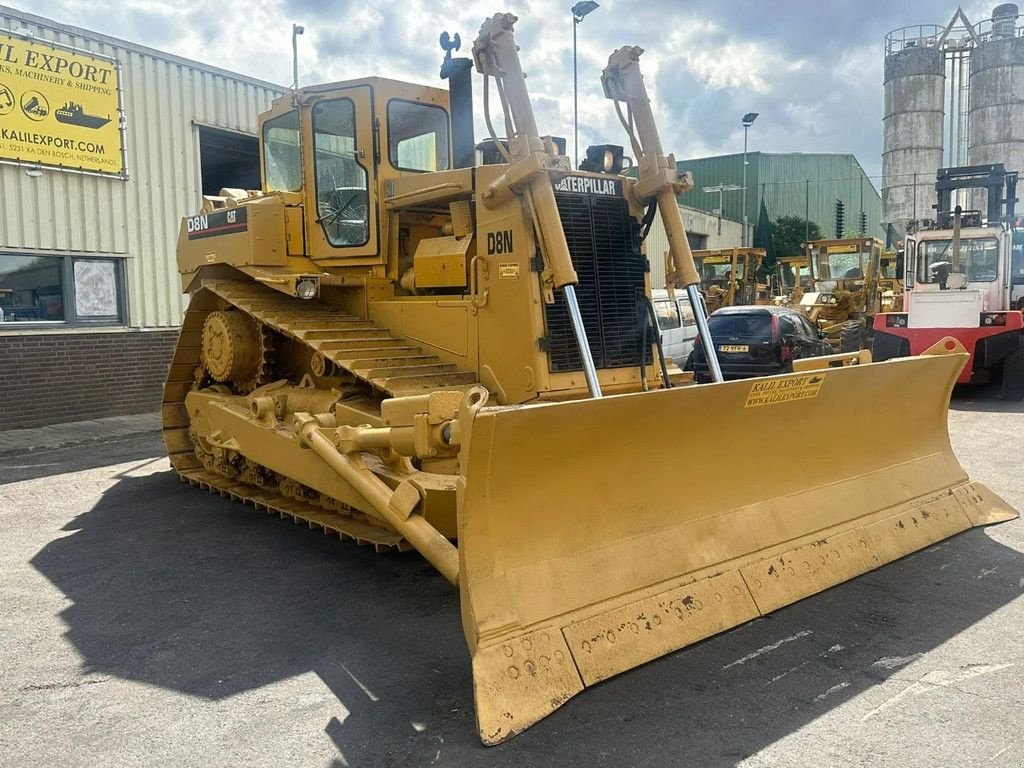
<point x="963" y="274"/>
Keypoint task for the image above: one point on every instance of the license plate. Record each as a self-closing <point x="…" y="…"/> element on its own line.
<point x="734" y="348"/>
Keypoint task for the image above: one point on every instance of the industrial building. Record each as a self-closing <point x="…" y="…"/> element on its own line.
<point x="952" y="98"/>
<point x="808" y="185"/>
<point x="103" y="148"/>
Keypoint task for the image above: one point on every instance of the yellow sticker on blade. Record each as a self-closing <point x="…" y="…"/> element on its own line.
<point x="508" y="270"/>
<point x="772" y="391"/>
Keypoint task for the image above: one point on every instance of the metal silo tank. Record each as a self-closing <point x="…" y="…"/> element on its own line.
<point x="912" y="124"/>
<point x="996" y="116"/>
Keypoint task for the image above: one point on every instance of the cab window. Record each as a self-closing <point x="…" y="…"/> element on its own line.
<point x="342" y="193"/>
<point x="979" y="260"/>
<point x="417" y="136"/>
<point x="839" y="266"/>
<point x="282" y="163"/>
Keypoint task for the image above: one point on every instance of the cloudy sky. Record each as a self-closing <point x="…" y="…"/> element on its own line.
<point x="812" y="68"/>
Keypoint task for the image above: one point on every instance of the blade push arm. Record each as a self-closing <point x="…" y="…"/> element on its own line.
<point x="659" y="178"/>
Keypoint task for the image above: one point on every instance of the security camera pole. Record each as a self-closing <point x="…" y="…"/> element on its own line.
<point x="579" y="10"/>
<point x="297" y="29"/>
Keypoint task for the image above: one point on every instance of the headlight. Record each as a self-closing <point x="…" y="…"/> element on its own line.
<point x="993" y="318"/>
<point x="895" y="321"/>
<point x="306" y="288"/>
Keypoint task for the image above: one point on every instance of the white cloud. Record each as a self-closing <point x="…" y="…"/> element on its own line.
<point x="813" y="71"/>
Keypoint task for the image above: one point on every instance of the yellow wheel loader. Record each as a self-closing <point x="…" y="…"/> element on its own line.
<point x="407" y="350"/>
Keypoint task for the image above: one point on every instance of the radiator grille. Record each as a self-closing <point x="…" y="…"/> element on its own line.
<point x="604" y="242"/>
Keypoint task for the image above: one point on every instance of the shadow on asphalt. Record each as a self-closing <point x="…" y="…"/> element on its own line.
<point x="32" y="465"/>
<point x="982" y="398"/>
<point x="190" y="592"/>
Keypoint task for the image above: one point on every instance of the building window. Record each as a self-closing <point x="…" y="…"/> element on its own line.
<point x="228" y="159"/>
<point x="95" y="289"/>
<point x="417" y="136"/>
<point x="70" y="290"/>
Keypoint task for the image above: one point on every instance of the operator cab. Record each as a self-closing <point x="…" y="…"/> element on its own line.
<point x="943" y="264"/>
<point x="843" y="264"/>
<point x="363" y="134"/>
<point x="718" y="270"/>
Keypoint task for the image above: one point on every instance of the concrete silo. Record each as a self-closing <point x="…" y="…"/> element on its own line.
<point x="996" y="115"/>
<point x="912" y="124"/>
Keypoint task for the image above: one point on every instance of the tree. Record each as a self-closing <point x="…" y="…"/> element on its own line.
<point x="764" y="237"/>
<point x="789" y="232"/>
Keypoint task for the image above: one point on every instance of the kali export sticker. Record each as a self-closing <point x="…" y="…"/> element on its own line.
<point x="772" y="391"/>
<point x="508" y="270"/>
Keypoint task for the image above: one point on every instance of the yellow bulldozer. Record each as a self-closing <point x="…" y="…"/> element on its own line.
<point x="406" y="349"/>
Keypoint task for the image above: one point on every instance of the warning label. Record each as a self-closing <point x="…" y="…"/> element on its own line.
<point x="772" y="391"/>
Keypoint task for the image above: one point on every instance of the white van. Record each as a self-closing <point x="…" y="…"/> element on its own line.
<point x="675" y="320"/>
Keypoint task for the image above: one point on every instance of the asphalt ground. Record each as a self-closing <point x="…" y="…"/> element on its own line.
<point x="144" y="622"/>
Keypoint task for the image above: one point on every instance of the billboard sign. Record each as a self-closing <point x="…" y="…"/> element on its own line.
<point x="59" y="107"/>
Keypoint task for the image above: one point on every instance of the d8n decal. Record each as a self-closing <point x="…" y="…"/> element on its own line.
<point x="499" y="242"/>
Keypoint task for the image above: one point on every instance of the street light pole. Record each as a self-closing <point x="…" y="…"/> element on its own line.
<point x="721" y="189"/>
<point x="579" y="10"/>
<point x="575" y="99"/>
<point x="748" y="120"/>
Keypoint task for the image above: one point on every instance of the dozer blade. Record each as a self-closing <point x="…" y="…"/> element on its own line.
<point x="597" y="535"/>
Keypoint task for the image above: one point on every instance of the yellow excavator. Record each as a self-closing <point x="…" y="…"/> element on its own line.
<point x="403" y="348"/>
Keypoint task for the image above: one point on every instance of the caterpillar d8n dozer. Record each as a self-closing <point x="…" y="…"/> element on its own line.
<point x="411" y="352"/>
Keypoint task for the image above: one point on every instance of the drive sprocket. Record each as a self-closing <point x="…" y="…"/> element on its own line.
<point x="236" y="349"/>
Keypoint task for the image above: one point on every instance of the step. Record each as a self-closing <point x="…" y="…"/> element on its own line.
<point x="341" y="338"/>
<point x="292" y="305"/>
<point x="360" y="346"/>
<point x="306" y="324"/>
<point x="416" y="385"/>
<point x="403" y="370"/>
<point x="347" y="356"/>
<point x="286" y="318"/>
<point x="364" y="363"/>
<point x="332" y="332"/>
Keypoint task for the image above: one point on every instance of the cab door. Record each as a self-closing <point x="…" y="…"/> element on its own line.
<point x="340" y="178"/>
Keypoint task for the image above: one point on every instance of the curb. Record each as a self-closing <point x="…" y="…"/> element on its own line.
<point x="56" y="446"/>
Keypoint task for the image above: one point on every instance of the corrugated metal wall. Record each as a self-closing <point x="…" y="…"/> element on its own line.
<point x="791" y="183"/>
<point x="165" y="97"/>
<point x="700" y="223"/>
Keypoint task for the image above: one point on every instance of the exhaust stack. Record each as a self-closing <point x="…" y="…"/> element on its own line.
<point x="459" y="74"/>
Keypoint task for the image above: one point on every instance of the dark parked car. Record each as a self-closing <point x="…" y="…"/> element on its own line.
<point x="757" y="341"/>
